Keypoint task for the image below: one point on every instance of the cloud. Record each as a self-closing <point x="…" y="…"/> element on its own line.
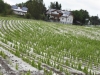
<point x="9" y="2"/>
<point x="13" y="2"/>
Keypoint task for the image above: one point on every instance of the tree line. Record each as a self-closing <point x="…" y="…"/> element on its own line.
<point x="82" y="17"/>
<point x="37" y="10"/>
<point x="5" y="9"/>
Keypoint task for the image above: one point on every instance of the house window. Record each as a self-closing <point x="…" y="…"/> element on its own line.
<point x="62" y="18"/>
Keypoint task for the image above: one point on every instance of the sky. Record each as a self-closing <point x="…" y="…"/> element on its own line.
<point x="92" y="6"/>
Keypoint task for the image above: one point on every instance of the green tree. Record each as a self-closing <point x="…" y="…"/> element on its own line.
<point x="58" y="6"/>
<point x="21" y="4"/>
<point x="28" y="16"/>
<point x="55" y="5"/>
<point x="95" y="20"/>
<point x="2" y="6"/>
<point x="5" y="9"/>
<point x="80" y="16"/>
<point x="36" y="8"/>
<point x="8" y="10"/>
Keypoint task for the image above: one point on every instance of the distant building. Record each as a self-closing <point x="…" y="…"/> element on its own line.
<point x="19" y="10"/>
<point x="62" y="16"/>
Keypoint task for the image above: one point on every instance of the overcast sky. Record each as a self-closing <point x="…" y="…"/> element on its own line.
<point x="92" y="6"/>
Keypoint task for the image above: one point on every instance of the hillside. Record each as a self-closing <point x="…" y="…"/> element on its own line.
<point x="43" y="48"/>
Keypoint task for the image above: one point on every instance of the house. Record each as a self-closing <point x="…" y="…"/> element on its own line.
<point x="19" y="10"/>
<point x="53" y="15"/>
<point x="62" y="16"/>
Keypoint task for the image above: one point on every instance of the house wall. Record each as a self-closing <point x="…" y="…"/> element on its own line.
<point x="63" y="20"/>
<point x="51" y="17"/>
<point x="18" y="10"/>
<point x="19" y="13"/>
<point x="68" y="20"/>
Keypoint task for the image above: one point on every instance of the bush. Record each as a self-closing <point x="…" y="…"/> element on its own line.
<point x="28" y="16"/>
<point x="42" y="17"/>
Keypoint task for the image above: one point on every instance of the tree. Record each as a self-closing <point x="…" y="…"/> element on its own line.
<point x="80" y="16"/>
<point x="36" y="8"/>
<point x="21" y="4"/>
<point x="8" y="10"/>
<point x="55" y="5"/>
<point x="28" y="16"/>
<point x="2" y="6"/>
<point x="5" y="9"/>
<point x="95" y="20"/>
<point x="85" y="15"/>
<point x="58" y="6"/>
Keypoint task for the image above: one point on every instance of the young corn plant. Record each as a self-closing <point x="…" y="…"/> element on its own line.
<point x="16" y="66"/>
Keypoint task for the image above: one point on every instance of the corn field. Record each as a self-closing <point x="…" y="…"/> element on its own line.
<point x="50" y="48"/>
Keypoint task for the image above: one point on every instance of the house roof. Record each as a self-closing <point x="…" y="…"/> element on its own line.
<point x="64" y="13"/>
<point x="55" y="12"/>
<point x="59" y="11"/>
<point x="20" y="10"/>
<point x="16" y="8"/>
<point x="50" y="10"/>
<point x="24" y="8"/>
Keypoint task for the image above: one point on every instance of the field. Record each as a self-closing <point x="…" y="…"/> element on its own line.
<point x="31" y="47"/>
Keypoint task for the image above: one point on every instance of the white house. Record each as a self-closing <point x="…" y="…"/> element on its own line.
<point x="66" y="18"/>
<point x="62" y="16"/>
<point x="19" y="10"/>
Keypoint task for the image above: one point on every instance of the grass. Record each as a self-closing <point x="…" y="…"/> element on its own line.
<point x="53" y="43"/>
